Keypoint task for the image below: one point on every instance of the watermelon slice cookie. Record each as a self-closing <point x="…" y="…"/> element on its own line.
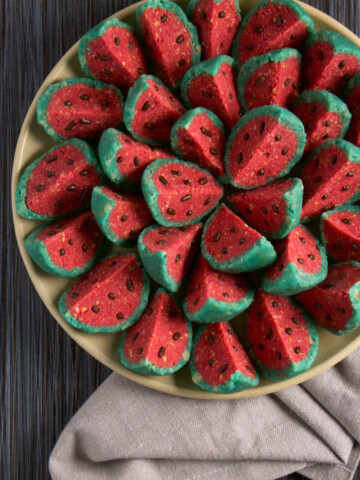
<point x="124" y="159"/>
<point x="214" y="296"/>
<point x="168" y="253"/>
<point x="199" y="137"/>
<point x="330" y="60"/>
<point x="179" y="193"/>
<point x="340" y="231"/>
<point x="59" y="182"/>
<point x="274" y="210"/>
<point x="151" y="110"/>
<point x="351" y="96"/>
<point x="79" y="107"/>
<point x="334" y="303"/>
<point x="271" y="25"/>
<point x="160" y="342"/>
<point x="108" y="298"/>
<point x="211" y="85"/>
<point x="301" y="264"/>
<point x="219" y="362"/>
<point x="331" y="177"/>
<point x="281" y="336"/>
<point x="264" y="145"/>
<point x="110" y="52"/>
<point x="230" y="245"/>
<point x="120" y="216"/>
<point x="67" y="248"/>
<point x="216" y="22"/>
<point x="270" y="79"/>
<point x="323" y="115"/>
<point x="171" y="40"/>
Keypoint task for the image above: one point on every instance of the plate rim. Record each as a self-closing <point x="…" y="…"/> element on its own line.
<point x="117" y="367"/>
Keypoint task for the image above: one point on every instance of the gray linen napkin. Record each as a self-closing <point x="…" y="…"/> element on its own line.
<point x="130" y="432"/>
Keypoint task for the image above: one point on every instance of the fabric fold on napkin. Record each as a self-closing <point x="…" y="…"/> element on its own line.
<point x="130" y="432"/>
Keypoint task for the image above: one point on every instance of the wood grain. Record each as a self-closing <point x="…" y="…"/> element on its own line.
<point x="45" y="377"/>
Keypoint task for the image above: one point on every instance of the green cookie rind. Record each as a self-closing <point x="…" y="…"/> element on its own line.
<point x="293" y="280"/>
<point x="300" y="12"/>
<point x="282" y="115"/>
<point x="340" y="43"/>
<point x="352" y="154"/>
<point x="97" y="31"/>
<point x="325" y="215"/>
<point x="193" y="3"/>
<point x="108" y="148"/>
<point x="45" y="98"/>
<point x="260" y="255"/>
<point x="64" y="311"/>
<point x="39" y="253"/>
<point x="354" y="82"/>
<point x="236" y="383"/>
<point x="219" y="311"/>
<point x="248" y="68"/>
<point x="293" y="202"/>
<point x="139" y="87"/>
<point x="155" y="263"/>
<point x="209" y="67"/>
<point x="354" y="295"/>
<point x="20" y="194"/>
<point x="176" y="10"/>
<point x="331" y="102"/>
<point x="144" y="366"/>
<point x="102" y="207"/>
<point x="293" y="369"/>
<point x="151" y="195"/>
<point x="185" y="122"/>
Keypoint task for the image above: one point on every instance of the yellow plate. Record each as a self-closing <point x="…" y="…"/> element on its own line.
<point x="33" y="141"/>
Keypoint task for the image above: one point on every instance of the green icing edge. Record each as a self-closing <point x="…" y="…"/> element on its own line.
<point x="354" y="82"/>
<point x="293" y="202"/>
<point x="342" y="208"/>
<point x="299" y="11"/>
<point x="97" y="31"/>
<point x="352" y="153"/>
<point x="176" y="10"/>
<point x="219" y="311"/>
<point x="236" y="383"/>
<point x="331" y="102"/>
<point x="185" y="122"/>
<point x="39" y="253"/>
<point x="64" y="311"/>
<point x="340" y="43"/>
<point x="293" y="369"/>
<point x="139" y="87"/>
<point x="102" y="207"/>
<point x="260" y="255"/>
<point x="155" y="263"/>
<point x="193" y="3"/>
<point x="144" y="366"/>
<point x="248" y="68"/>
<point x="209" y="67"/>
<point x="45" y="98"/>
<point x="151" y="195"/>
<point x="293" y="280"/>
<point x="20" y="193"/>
<point x="282" y="115"/>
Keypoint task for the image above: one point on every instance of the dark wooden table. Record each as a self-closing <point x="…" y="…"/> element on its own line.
<point x="45" y="376"/>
